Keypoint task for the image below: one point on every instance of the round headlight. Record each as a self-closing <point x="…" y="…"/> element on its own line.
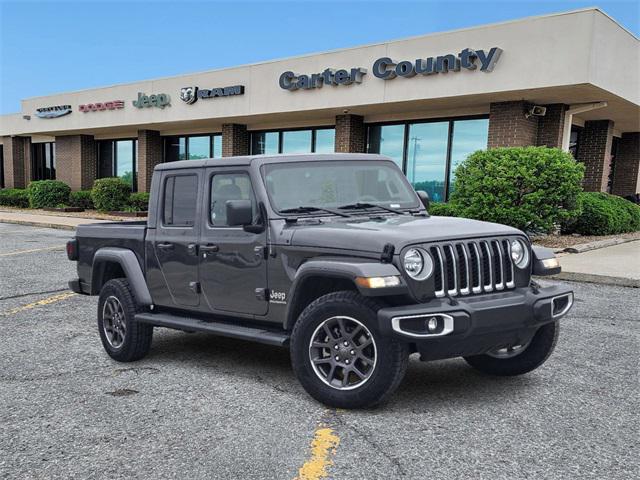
<point x="519" y="253"/>
<point x="418" y="264"/>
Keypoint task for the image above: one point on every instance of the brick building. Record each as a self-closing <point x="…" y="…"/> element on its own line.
<point x="569" y="81"/>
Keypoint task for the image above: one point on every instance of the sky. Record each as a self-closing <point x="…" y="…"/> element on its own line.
<point x="55" y="46"/>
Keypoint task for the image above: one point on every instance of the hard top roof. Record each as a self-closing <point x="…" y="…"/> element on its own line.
<point x="262" y="159"/>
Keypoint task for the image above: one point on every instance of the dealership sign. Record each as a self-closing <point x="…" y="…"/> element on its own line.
<point x="189" y="95"/>
<point x="53" y="112"/>
<point x="291" y="81"/>
<point x="101" y="106"/>
<point x="387" y="69"/>
<point x="159" y="100"/>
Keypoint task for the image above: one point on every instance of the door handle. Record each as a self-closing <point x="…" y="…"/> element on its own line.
<point x="165" y="246"/>
<point x="209" y="248"/>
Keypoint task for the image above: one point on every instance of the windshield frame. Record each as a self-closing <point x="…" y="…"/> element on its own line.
<point x="417" y="205"/>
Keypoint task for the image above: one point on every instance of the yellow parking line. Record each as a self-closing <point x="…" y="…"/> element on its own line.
<point x="39" y="303"/>
<point x="323" y="448"/>
<point x="18" y="252"/>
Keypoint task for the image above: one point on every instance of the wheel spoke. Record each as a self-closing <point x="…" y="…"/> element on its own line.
<point x="357" y="371"/>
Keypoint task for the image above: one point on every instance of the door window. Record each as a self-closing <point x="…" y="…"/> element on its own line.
<point x="180" y="197"/>
<point x="225" y="187"/>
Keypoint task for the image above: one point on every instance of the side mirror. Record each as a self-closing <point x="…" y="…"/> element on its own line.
<point x="239" y="213"/>
<point x="424" y="198"/>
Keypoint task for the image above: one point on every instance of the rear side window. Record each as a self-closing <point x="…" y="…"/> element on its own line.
<point x="180" y="196"/>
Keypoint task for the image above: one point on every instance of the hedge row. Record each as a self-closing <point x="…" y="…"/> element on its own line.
<point x="107" y="194"/>
<point x="604" y="214"/>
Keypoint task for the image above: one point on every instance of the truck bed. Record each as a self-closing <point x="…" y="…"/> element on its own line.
<point x="91" y="237"/>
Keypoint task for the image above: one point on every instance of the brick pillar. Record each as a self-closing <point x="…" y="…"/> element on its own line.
<point x="17" y="161"/>
<point x="235" y="140"/>
<point x="595" y="152"/>
<point x="76" y="161"/>
<point x="551" y="126"/>
<point x="149" y="155"/>
<point x="626" y="175"/>
<point x="350" y="134"/>
<point x="508" y="126"/>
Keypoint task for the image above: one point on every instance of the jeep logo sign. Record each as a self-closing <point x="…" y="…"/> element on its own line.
<point x="159" y="100"/>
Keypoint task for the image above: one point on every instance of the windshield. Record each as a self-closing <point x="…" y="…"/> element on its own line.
<point x="337" y="184"/>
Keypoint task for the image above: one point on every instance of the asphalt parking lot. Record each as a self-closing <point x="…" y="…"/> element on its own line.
<point x="201" y="406"/>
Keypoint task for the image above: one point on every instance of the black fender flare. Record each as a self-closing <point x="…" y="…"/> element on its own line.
<point x="348" y="269"/>
<point x="128" y="260"/>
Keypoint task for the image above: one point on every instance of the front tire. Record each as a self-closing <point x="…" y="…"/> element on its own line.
<point x="124" y="339"/>
<point x="340" y="357"/>
<point x="518" y="360"/>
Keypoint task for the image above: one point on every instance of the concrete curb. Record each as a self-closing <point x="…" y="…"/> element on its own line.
<point x="600" y="279"/>
<point x="38" y="224"/>
<point x="585" y="247"/>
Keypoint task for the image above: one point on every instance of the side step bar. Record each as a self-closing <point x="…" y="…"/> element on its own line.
<point x="253" y="334"/>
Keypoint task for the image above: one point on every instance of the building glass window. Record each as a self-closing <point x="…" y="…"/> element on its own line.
<point x="193" y="147"/>
<point x="325" y="140"/>
<point x="118" y="158"/>
<point x="468" y="136"/>
<point x="43" y="161"/>
<point x="296" y="141"/>
<point x="387" y="140"/>
<point x="574" y="140"/>
<point x="430" y="151"/>
<point x="427" y="158"/>
<point x="320" y="140"/>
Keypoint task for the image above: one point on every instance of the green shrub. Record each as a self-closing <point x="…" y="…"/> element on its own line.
<point x="530" y="188"/>
<point x="82" y="199"/>
<point x="604" y="214"/>
<point x="14" y="197"/>
<point x="139" y="201"/>
<point x="442" y="209"/>
<point x="48" y="193"/>
<point x="110" y="194"/>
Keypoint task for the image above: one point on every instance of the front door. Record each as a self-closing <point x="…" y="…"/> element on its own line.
<point x="175" y="240"/>
<point x="232" y="263"/>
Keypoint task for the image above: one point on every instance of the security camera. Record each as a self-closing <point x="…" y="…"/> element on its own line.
<point x="346" y="110"/>
<point x="536" y="111"/>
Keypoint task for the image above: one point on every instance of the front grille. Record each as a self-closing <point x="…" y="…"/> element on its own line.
<point x="472" y="266"/>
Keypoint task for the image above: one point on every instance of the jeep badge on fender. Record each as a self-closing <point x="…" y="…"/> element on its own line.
<point x="333" y="256"/>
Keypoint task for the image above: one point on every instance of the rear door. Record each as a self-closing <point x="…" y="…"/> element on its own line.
<point x="233" y="270"/>
<point x="175" y="240"/>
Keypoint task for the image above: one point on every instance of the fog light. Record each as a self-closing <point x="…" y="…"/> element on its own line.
<point x="432" y="324"/>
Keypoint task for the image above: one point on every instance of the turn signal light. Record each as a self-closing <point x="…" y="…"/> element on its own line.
<point x="378" y="282"/>
<point x="72" y="249"/>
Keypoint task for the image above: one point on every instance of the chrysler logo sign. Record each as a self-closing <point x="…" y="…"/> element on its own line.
<point x="189" y="95"/>
<point x="53" y="112"/>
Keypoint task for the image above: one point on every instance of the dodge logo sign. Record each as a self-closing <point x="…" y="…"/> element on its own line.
<point x="189" y="94"/>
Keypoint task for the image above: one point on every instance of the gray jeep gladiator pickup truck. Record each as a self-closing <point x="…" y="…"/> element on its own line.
<point x="334" y="256"/>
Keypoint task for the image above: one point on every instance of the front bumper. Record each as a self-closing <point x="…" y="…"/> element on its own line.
<point x="475" y="324"/>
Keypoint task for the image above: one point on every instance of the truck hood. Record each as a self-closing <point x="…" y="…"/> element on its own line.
<point x="371" y="235"/>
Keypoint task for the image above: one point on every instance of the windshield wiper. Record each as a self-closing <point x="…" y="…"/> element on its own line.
<point x="366" y="206"/>
<point x="307" y="209"/>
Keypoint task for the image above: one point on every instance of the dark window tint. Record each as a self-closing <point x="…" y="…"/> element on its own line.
<point x="1" y="167"/>
<point x="225" y="187"/>
<point x="180" y="196"/>
<point x="43" y="161"/>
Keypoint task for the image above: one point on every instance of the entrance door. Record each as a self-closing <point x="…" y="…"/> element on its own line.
<point x="232" y="264"/>
<point x="176" y="237"/>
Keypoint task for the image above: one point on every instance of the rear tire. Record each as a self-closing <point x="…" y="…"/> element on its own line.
<point x="535" y="354"/>
<point x="124" y="339"/>
<point x="340" y="357"/>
